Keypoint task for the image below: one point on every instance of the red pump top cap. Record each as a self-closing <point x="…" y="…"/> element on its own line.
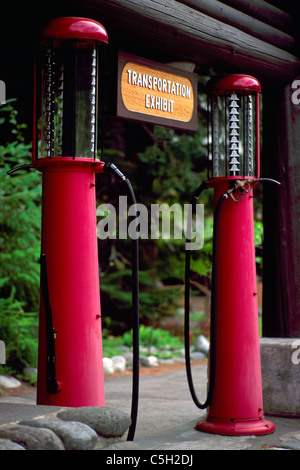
<point x="75" y="28"/>
<point x="234" y="82"/>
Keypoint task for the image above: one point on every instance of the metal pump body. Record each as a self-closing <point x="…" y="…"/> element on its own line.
<point x="70" y="369"/>
<point x="236" y="405"/>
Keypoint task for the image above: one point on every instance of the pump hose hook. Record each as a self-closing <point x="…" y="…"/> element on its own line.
<point x="245" y="186"/>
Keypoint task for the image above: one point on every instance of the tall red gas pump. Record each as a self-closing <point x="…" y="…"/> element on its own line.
<point x="70" y="362"/>
<point x="234" y="397"/>
<point x="70" y="340"/>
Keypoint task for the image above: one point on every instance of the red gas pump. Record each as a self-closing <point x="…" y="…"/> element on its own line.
<point x="70" y="341"/>
<point x="234" y="397"/>
<point x="70" y="362"/>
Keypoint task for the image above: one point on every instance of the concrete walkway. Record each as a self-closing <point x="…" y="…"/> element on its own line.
<point x="167" y="415"/>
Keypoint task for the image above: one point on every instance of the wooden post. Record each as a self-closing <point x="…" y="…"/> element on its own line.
<point x="280" y="160"/>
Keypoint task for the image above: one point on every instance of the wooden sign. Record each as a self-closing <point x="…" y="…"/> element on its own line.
<point x="156" y="93"/>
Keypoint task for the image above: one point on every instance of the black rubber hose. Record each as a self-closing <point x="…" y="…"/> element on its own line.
<point x="213" y="326"/>
<point x="135" y="306"/>
<point x="135" y="330"/>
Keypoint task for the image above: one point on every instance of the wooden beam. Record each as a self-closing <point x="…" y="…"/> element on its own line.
<point x="192" y="35"/>
<point x="286" y="5"/>
<point x="266" y="12"/>
<point x="244" y="22"/>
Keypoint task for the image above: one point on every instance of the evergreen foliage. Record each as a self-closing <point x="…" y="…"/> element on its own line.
<point x="164" y="166"/>
<point x="20" y="221"/>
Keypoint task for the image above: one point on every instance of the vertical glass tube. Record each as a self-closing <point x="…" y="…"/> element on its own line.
<point x="217" y="138"/>
<point x="69" y="99"/>
<point x="94" y="102"/>
<point x="250" y="134"/>
<point x="86" y="101"/>
<point x="215" y="135"/>
<point x="68" y="59"/>
<point x="59" y="115"/>
<point x="233" y="127"/>
<point x="209" y="137"/>
<point x="48" y="103"/>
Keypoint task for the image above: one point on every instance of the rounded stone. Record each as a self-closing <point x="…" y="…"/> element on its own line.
<point x="74" y="435"/>
<point x="107" y="422"/>
<point x="6" y="444"/>
<point x="108" y="366"/>
<point x="9" y="382"/>
<point x="31" y="438"/>
<point x="119" y="363"/>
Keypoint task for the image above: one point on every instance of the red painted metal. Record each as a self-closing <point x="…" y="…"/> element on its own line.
<point x="237" y="405"/>
<point x="75" y="28"/>
<point x="236" y="82"/>
<point x="69" y="243"/>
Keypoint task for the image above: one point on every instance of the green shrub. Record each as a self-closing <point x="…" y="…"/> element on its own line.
<point x="20" y="220"/>
<point x="155" y="337"/>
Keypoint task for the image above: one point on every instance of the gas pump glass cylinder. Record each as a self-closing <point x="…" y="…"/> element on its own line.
<point x="69" y="99"/>
<point x="233" y="127"/>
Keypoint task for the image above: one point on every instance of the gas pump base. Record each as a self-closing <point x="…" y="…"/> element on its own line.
<point x="236" y="427"/>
